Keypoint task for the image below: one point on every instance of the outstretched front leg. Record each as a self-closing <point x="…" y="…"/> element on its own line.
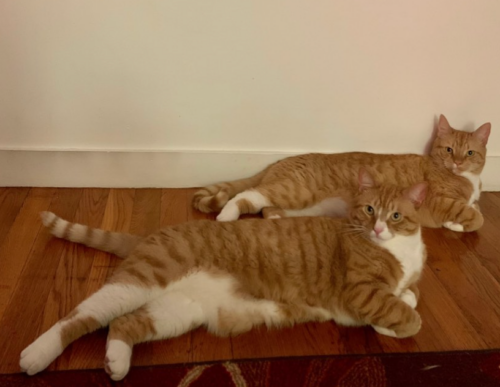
<point x="111" y="301"/>
<point x="388" y="314"/>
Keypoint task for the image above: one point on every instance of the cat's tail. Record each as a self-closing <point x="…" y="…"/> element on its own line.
<point x="214" y="197"/>
<point x="120" y="244"/>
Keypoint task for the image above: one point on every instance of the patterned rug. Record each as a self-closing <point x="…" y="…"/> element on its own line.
<point x="457" y="369"/>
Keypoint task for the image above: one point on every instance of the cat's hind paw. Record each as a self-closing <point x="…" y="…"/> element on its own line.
<point x="117" y="362"/>
<point x="454" y="226"/>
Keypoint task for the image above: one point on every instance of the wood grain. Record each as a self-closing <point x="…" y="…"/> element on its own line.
<point x="11" y="200"/>
<point x="19" y="240"/>
<point x="43" y="278"/>
<point x="22" y="319"/>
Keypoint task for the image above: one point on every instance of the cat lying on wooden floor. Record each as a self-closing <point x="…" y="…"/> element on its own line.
<point x="233" y="276"/>
<point x="324" y="184"/>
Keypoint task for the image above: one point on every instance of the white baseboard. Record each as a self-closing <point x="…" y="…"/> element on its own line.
<point x="171" y="169"/>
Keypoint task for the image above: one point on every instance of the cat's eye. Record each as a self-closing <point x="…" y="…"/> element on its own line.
<point x="449" y="150"/>
<point x="396" y="216"/>
<point x="369" y="210"/>
<point x="470" y="153"/>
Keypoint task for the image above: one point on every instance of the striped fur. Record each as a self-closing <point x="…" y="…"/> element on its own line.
<point x="230" y="277"/>
<point x="298" y="185"/>
<point x="120" y="244"/>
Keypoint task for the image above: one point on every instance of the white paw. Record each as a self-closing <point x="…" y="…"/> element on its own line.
<point x="39" y="354"/>
<point x="384" y="331"/>
<point x="229" y="213"/>
<point x="47" y="217"/>
<point x="276" y="216"/>
<point x="409" y="297"/>
<point x="117" y="361"/>
<point x="454" y="226"/>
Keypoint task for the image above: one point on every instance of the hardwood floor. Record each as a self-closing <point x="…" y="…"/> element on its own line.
<point x="43" y="278"/>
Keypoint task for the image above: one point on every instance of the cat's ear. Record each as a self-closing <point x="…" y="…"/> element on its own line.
<point x="416" y="193"/>
<point x="444" y="127"/>
<point x="365" y="180"/>
<point x="482" y="133"/>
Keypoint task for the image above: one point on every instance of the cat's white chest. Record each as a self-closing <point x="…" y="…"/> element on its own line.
<point x="410" y="252"/>
<point x="475" y="180"/>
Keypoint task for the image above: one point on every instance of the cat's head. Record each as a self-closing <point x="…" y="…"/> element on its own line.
<point x="460" y="151"/>
<point x="385" y="211"/>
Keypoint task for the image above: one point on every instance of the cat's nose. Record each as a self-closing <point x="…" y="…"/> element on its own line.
<point x="458" y="162"/>
<point x="378" y="230"/>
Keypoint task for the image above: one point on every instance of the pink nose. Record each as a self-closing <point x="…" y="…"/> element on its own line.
<point x="458" y="162"/>
<point x="378" y="230"/>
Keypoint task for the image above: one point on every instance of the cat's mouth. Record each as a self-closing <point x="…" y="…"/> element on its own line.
<point x="454" y="168"/>
<point x="458" y="169"/>
<point x="381" y="237"/>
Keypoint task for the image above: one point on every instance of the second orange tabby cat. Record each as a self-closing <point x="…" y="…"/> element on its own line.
<point x="324" y="184"/>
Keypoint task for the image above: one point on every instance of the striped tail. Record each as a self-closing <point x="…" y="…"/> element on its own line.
<point x="120" y="244"/>
<point x="214" y="197"/>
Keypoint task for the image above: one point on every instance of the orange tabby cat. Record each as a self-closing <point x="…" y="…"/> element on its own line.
<point x="324" y="184"/>
<point x="232" y="276"/>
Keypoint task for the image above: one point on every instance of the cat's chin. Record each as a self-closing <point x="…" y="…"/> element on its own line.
<point x="381" y="238"/>
<point x="459" y="172"/>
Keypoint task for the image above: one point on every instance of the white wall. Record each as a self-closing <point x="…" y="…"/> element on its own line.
<point x="276" y="76"/>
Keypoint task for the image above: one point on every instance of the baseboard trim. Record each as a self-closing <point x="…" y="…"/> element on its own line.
<point x="170" y="169"/>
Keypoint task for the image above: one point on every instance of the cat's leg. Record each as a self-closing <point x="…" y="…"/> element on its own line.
<point x="111" y="301"/>
<point x="214" y="197"/>
<point x="247" y="202"/>
<point x="298" y="200"/>
<point x="456" y="215"/>
<point x="387" y="313"/>
<point x="167" y="316"/>
<point x="409" y="297"/>
<point x="199" y="300"/>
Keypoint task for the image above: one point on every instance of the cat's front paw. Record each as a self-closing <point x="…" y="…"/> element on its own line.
<point x="38" y="355"/>
<point x="117" y="362"/>
<point x="409" y="297"/>
<point x="384" y="331"/>
<point x="454" y="226"/>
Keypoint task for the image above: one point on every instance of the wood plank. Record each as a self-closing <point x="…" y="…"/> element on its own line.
<point x="17" y="245"/>
<point x="484" y="243"/>
<point x="89" y="351"/>
<point x="11" y="201"/>
<point x="472" y="287"/>
<point x="444" y="325"/>
<point x="300" y="340"/>
<point x="359" y="340"/>
<point x="22" y="320"/>
<point x="175" y="206"/>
